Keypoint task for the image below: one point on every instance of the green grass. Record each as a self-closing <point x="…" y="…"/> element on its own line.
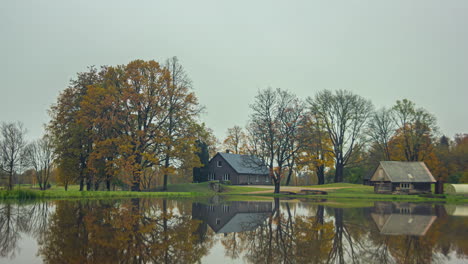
<point x="356" y="193"/>
<point x="174" y="190"/>
<point x="350" y="191"/>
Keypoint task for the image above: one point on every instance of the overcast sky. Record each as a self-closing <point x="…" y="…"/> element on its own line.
<point x="381" y="50"/>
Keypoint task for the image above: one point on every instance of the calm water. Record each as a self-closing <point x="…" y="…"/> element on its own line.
<point x="214" y="231"/>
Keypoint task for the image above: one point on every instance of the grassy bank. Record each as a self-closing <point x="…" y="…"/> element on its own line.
<point x="338" y="191"/>
<point x="348" y="191"/>
<point x="25" y="192"/>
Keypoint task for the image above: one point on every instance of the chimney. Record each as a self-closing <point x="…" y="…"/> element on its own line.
<point x="227" y="151"/>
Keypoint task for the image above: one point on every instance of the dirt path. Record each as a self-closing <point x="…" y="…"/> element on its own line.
<point x="270" y="189"/>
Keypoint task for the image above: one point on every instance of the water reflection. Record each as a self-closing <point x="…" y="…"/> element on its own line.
<point x="232" y="217"/>
<point x="403" y="218"/>
<point x="170" y="231"/>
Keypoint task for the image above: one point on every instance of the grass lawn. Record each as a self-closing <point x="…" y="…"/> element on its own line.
<point x="339" y="192"/>
<point x="345" y="191"/>
<point x="174" y="190"/>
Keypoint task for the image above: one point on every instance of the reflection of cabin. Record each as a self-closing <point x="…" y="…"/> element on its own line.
<point x="233" y="216"/>
<point x="400" y="177"/>
<point x="403" y="218"/>
<point x="238" y="169"/>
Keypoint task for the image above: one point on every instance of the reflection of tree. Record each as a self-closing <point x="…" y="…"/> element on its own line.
<point x="135" y="231"/>
<point x="16" y="219"/>
<point x="9" y="233"/>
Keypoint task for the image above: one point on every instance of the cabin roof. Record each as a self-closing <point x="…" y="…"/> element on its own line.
<point x="405" y="171"/>
<point x="243" y="222"/>
<point x="403" y="224"/>
<point x="245" y="164"/>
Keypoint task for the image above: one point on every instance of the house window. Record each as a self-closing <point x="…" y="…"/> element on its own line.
<point x="211" y="177"/>
<point x="267" y="179"/>
<point x="256" y="179"/>
<point x="211" y="208"/>
<point x="225" y="208"/>
<point x="218" y="221"/>
<point x="226" y="177"/>
<point x="219" y="163"/>
<point x="405" y="185"/>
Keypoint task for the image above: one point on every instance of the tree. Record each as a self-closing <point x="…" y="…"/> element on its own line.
<point x="344" y="116"/>
<point x="72" y="142"/>
<point x="316" y="148"/>
<point x="182" y="108"/>
<point x="12" y="144"/>
<point x="273" y="131"/>
<point x="235" y="140"/>
<point x="381" y="129"/>
<point x="40" y="155"/>
<point x="416" y="127"/>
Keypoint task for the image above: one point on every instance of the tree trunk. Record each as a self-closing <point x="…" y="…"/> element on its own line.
<point x="166" y="166"/>
<point x="66" y="186"/>
<point x="108" y="184"/>
<point x="81" y="184"/>
<point x="320" y="170"/>
<point x="277" y="186"/>
<point x="10" y="181"/>
<point x="339" y="172"/>
<point x="288" y="179"/>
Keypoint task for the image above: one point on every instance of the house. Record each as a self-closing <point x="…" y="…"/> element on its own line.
<point x="238" y="216"/>
<point x="401" y="177"/>
<point x="238" y="169"/>
<point x="403" y="218"/>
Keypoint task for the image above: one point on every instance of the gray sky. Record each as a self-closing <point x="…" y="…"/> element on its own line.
<point x="381" y="50"/>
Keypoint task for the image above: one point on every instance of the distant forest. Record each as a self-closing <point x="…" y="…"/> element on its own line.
<point x="137" y="127"/>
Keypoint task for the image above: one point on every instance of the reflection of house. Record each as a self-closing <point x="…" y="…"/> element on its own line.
<point x="402" y="177"/>
<point x="233" y="216"/>
<point x="403" y="218"/>
<point x="238" y="169"/>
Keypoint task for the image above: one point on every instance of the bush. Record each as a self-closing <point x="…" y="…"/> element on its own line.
<point x="227" y="182"/>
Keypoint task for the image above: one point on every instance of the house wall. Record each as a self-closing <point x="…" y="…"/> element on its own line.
<point x="221" y="171"/>
<point x="235" y="178"/>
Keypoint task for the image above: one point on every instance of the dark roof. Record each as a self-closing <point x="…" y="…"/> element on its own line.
<point x="245" y="164"/>
<point x="405" y="171"/>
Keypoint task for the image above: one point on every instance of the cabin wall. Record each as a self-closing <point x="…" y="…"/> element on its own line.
<point x="383" y="187"/>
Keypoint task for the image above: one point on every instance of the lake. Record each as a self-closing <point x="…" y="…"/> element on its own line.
<point x="149" y="230"/>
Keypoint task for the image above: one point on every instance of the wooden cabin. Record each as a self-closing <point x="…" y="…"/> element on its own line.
<point x="402" y="177"/>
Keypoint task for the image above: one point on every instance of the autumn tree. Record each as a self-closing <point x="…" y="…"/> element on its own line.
<point x="12" y="144"/>
<point x="72" y="142"/>
<point x="416" y="127"/>
<point x="40" y="156"/>
<point x="273" y="131"/>
<point x="315" y="152"/>
<point x="344" y="116"/>
<point x="181" y="110"/>
<point x="235" y="140"/>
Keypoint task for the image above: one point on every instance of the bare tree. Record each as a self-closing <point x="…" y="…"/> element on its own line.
<point x="381" y="129"/>
<point x="273" y="131"/>
<point x="40" y="155"/>
<point x="235" y="140"/>
<point x="344" y="115"/>
<point x="12" y="144"/>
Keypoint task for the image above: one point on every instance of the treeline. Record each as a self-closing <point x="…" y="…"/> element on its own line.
<point x="136" y="126"/>
<point x="123" y="126"/>
<point x="339" y="136"/>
